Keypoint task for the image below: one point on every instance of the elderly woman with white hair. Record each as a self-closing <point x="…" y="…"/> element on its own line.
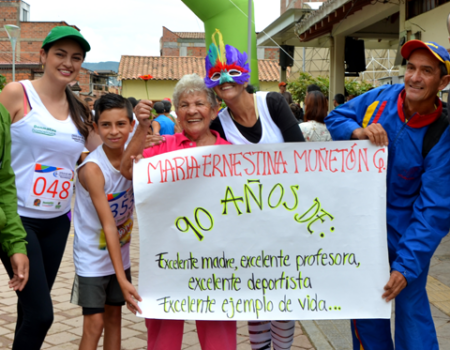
<point x="195" y="106"/>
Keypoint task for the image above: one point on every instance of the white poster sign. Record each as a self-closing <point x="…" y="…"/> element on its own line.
<point x="264" y="232"/>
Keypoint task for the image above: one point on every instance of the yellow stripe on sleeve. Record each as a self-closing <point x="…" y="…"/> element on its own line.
<point x="369" y="113"/>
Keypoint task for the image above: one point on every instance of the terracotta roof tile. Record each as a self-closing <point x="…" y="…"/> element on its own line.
<point x="173" y="68"/>
<point x="269" y="70"/>
<point x="190" y="35"/>
<point x="161" y="68"/>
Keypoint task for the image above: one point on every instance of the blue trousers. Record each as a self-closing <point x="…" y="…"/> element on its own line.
<point x="414" y="326"/>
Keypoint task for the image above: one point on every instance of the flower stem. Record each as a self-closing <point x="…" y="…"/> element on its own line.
<point x="146" y="89"/>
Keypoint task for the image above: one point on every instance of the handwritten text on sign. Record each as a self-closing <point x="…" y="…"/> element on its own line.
<point x="285" y="231"/>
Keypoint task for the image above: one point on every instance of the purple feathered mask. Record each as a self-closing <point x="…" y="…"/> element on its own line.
<point x="225" y="64"/>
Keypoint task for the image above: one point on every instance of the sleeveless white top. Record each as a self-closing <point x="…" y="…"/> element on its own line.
<point x="90" y="253"/>
<point x="270" y="131"/>
<point x="44" y="153"/>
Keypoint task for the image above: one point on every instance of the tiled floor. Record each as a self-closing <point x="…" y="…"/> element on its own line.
<point x="327" y="335"/>
<point x="66" y="330"/>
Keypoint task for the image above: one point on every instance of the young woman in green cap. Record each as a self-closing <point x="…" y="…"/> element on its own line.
<point x="50" y="128"/>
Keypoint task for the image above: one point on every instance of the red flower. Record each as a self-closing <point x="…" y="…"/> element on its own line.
<point x="146" y="77"/>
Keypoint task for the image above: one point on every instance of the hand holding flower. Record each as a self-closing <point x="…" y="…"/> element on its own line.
<point x="146" y="78"/>
<point x="144" y="112"/>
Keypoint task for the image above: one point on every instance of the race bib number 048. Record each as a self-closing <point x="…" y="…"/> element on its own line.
<point x="51" y="188"/>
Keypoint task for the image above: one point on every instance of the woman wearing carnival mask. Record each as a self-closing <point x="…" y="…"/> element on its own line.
<point x="264" y="117"/>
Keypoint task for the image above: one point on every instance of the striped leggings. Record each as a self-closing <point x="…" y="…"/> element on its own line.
<point x="263" y="333"/>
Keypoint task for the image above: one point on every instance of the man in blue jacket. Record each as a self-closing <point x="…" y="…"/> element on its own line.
<point x="418" y="190"/>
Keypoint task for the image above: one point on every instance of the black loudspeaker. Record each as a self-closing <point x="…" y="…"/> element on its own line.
<point x="355" y="56"/>
<point x="285" y="52"/>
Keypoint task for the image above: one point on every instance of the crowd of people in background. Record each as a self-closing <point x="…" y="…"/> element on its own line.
<point x="220" y="109"/>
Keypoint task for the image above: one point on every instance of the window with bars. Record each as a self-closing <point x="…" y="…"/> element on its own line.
<point x="417" y="7"/>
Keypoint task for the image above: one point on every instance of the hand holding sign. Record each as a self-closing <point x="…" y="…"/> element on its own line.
<point x="246" y="241"/>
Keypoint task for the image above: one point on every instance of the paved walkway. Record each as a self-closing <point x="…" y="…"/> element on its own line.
<point x="335" y="335"/>
<point x="309" y="335"/>
<point x="65" y="333"/>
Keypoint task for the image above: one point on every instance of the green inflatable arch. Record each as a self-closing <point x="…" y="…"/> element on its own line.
<point x="233" y="24"/>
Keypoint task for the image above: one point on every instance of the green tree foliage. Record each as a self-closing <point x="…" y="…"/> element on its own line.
<point x="2" y="82"/>
<point x="298" y="87"/>
<point x="357" y="87"/>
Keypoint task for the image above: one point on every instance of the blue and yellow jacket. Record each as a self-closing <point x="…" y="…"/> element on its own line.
<point x="418" y="188"/>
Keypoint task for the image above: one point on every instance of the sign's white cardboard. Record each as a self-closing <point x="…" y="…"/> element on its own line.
<point x="293" y="231"/>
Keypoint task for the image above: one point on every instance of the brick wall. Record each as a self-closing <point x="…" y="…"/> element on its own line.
<point x="282" y="6"/>
<point x="169" y="36"/>
<point x="172" y="45"/>
<point x="84" y="79"/>
<point x="21" y="74"/>
<point x="196" y="51"/>
<point x="271" y="54"/>
<point x="32" y="35"/>
<point x="9" y="14"/>
<point x="170" y="52"/>
<point x="167" y="39"/>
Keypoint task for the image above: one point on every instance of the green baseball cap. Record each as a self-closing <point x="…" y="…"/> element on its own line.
<point x="58" y="33"/>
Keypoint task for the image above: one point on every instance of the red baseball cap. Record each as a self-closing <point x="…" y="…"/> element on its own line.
<point x="437" y="50"/>
<point x="282" y="84"/>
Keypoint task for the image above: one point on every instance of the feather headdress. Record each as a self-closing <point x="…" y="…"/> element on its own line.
<point x="225" y="64"/>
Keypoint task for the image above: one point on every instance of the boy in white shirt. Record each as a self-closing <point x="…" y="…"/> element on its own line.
<point x="103" y="220"/>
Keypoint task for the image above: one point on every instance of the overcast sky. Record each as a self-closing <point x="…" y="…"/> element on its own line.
<point x="131" y="27"/>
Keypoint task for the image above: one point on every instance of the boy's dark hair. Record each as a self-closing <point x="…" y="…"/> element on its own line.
<point x="313" y="87"/>
<point x="159" y="107"/>
<point x="167" y="106"/>
<point x="87" y="99"/>
<point x="339" y="98"/>
<point x="133" y="101"/>
<point x="112" y="101"/>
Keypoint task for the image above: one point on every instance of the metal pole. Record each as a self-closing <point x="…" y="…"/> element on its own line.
<point x="14" y="60"/>
<point x="13" y="34"/>
<point x="250" y="16"/>
<point x="304" y="59"/>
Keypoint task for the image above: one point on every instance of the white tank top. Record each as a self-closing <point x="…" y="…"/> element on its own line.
<point x="90" y="254"/>
<point x="44" y="153"/>
<point x="270" y="131"/>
